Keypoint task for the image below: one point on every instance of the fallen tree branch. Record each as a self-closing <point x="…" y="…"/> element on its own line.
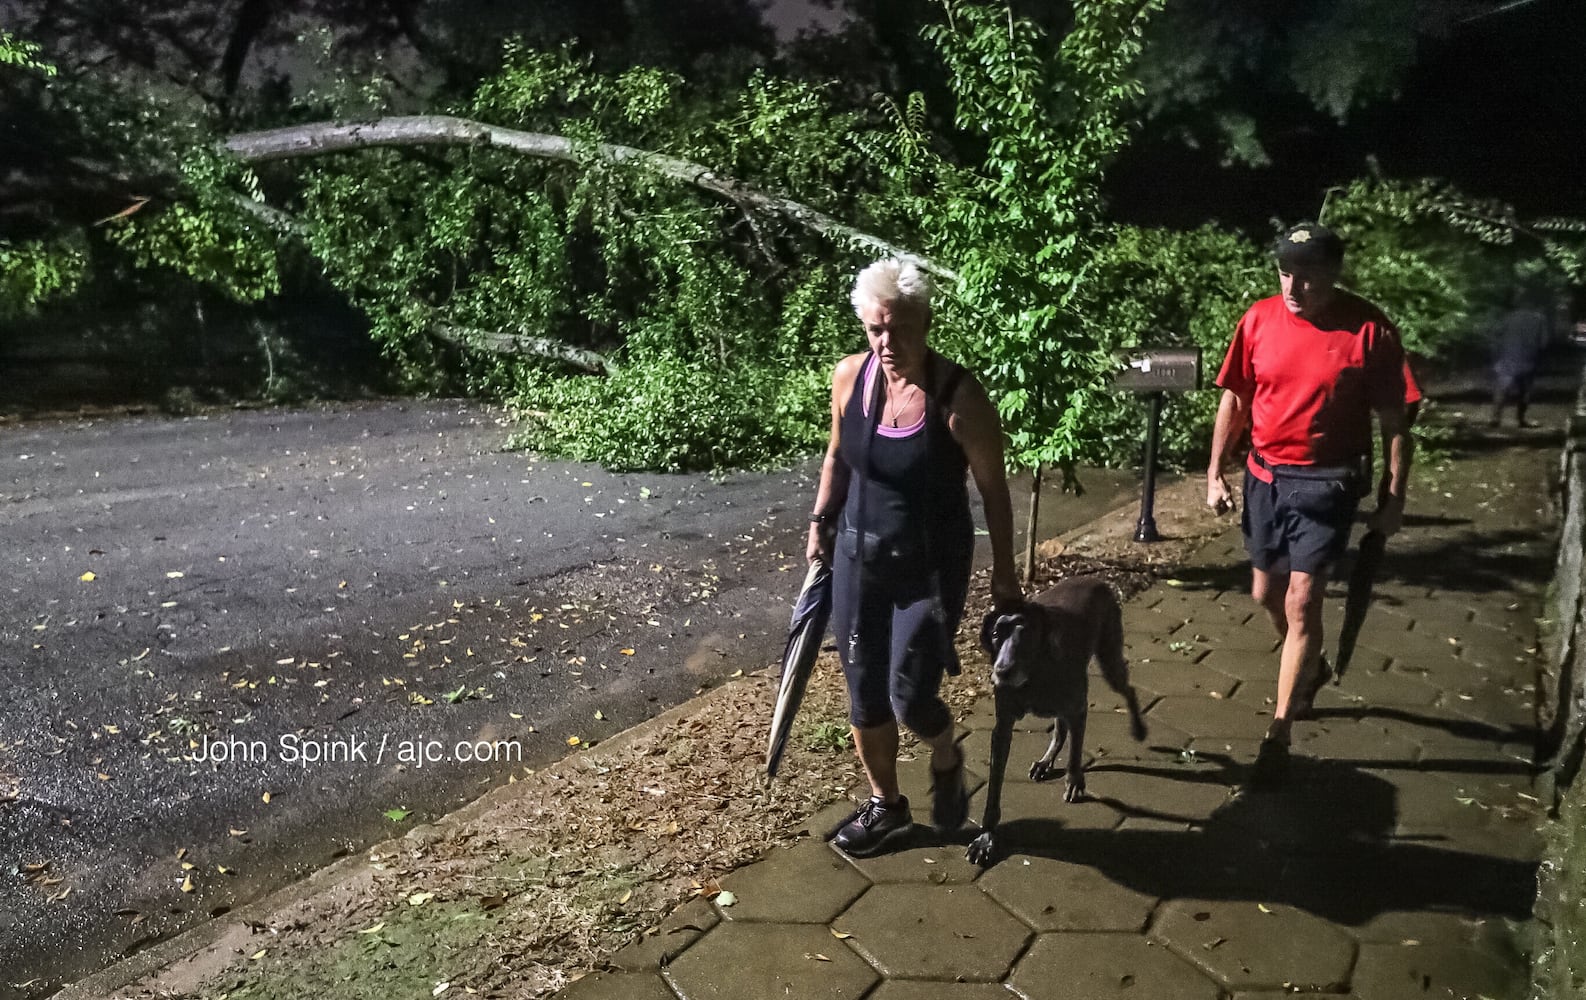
<point x="320" y="138"/>
<point x="509" y="342"/>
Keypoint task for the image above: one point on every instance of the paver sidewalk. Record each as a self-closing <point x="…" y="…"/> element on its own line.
<point x="1399" y="862"/>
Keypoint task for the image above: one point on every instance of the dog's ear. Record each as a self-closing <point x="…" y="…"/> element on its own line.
<point x="988" y="627"/>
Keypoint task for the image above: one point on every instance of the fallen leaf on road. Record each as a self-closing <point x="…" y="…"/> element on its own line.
<point x="265" y="798"/>
<point x="88" y="577"/>
<point x="574" y="741"/>
<point x="840" y="935"/>
<point x="258" y="954"/>
<point x="420" y="898"/>
<point x="1264" y="908"/>
<point x="397" y="815"/>
<point x="600" y="715"/>
<point x="187" y="883"/>
<point x="174" y="574"/>
<point x="377" y="928"/>
<point x="725" y="898"/>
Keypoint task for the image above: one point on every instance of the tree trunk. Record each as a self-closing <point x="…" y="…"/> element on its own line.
<point x="509" y="342"/>
<point x="1029" y="528"/>
<point x="319" y="138"/>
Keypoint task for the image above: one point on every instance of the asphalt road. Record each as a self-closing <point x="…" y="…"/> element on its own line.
<point x="236" y="647"/>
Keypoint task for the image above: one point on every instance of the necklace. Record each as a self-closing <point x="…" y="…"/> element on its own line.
<point x="897" y="407"/>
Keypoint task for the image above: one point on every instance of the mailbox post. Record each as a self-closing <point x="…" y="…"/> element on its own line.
<point x="1154" y="371"/>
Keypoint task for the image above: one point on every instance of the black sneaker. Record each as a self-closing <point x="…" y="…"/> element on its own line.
<point x="949" y="798"/>
<point x="872" y="825"/>
<point x="1270" y="768"/>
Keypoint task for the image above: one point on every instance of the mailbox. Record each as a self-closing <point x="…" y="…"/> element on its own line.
<point x="1158" y="369"/>
<point x="1154" y="371"/>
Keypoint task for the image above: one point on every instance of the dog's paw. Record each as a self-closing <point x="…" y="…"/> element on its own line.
<point x="1043" y="769"/>
<point x="1074" y="791"/>
<point x="983" y="850"/>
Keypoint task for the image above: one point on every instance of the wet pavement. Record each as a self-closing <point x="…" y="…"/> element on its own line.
<point x="238" y="646"/>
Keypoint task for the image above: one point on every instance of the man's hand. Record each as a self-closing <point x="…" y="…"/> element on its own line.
<point x="1218" y="496"/>
<point x="1388" y="517"/>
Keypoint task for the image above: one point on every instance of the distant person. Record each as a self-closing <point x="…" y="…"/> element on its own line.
<point x="1305" y="371"/>
<point x="892" y="519"/>
<point x="1517" y="345"/>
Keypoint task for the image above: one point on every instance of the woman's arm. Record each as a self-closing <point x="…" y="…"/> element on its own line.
<point x="975" y="425"/>
<point x="835" y="474"/>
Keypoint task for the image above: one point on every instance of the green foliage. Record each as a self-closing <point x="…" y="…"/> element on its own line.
<point x="35" y="271"/>
<point x="205" y="236"/>
<point x="676" y="415"/>
<point x="1213" y="72"/>
<point x="1440" y="263"/>
<point x="1020" y="226"/>
<point x="1167" y="288"/>
<point x="15" y="51"/>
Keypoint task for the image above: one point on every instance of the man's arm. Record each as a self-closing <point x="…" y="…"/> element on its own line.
<point x="1233" y="413"/>
<point x="1398" y="448"/>
<point x="975" y="424"/>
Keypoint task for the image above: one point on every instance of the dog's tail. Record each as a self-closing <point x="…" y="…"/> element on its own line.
<point x="1115" y="668"/>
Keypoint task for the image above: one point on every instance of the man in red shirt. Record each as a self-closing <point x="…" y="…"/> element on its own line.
<point x="1305" y="371"/>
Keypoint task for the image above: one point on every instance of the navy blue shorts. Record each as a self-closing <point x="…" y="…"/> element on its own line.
<point x="1297" y="525"/>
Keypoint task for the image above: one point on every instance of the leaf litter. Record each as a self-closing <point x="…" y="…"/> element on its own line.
<point x="546" y="878"/>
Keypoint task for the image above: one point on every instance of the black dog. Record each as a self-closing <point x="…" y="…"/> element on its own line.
<point x="1040" y="653"/>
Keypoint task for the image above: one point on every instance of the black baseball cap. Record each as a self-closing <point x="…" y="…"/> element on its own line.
<point x="1308" y="245"/>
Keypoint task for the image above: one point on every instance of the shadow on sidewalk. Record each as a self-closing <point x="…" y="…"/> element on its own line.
<point x="1327" y="846"/>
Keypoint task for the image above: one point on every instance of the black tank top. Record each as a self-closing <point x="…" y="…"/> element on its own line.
<point x="915" y="487"/>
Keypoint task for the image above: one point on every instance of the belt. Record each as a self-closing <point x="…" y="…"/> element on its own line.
<point x="1334" y="473"/>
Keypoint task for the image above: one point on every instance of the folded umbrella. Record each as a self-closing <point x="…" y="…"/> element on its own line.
<point x="811" y="612"/>
<point x="1358" y="599"/>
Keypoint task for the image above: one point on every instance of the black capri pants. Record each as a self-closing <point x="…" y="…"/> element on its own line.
<point x="905" y="628"/>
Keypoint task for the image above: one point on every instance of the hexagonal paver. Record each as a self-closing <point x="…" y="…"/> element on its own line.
<point x="1428" y="803"/>
<point x="932" y="864"/>
<point x="1169" y="673"/>
<point x="1171" y="789"/>
<point x="1106" y="967"/>
<point x="1052" y="895"/>
<point x="805" y="884"/>
<point x="755" y="961"/>
<point x="1393" y="971"/>
<point x="1211" y="716"/>
<point x="905" y="989"/>
<point x="1040" y="808"/>
<point x="1348" y="739"/>
<point x="1245" y="664"/>
<point x="934" y="932"/>
<point x="676" y="932"/>
<point x="618" y="986"/>
<point x="1024" y="749"/>
<point x="1247" y="945"/>
<point x="1107" y="734"/>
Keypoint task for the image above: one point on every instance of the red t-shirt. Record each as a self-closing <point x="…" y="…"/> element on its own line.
<point x="1313" y="384"/>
